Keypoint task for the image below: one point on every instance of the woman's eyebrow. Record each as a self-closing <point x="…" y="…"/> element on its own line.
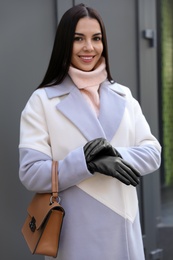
<point x="95" y="34"/>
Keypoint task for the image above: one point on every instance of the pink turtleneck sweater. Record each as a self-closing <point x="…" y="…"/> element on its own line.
<point x="88" y="82"/>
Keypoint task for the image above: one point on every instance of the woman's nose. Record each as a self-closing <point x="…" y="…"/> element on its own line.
<point x="88" y="46"/>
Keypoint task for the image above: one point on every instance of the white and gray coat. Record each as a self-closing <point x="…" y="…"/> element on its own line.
<point x="102" y="215"/>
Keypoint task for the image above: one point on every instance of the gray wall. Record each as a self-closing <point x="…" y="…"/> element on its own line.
<point x="27" y="31"/>
<point x="26" y="36"/>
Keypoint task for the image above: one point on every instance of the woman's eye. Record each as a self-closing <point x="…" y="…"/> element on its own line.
<point x="98" y="38"/>
<point x="78" y="39"/>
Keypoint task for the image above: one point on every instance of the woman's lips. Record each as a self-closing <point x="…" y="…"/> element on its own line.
<point x="87" y="58"/>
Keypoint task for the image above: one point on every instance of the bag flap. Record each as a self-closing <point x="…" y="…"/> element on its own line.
<point x="40" y="207"/>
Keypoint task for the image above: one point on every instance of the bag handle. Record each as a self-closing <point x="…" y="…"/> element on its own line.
<point x="55" y="179"/>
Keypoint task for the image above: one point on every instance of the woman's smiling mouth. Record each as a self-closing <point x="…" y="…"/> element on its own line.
<point x="86" y="58"/>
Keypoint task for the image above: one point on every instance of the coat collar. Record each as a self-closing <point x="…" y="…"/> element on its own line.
<point x="76" y="109"/>
<point x="67" y="86"/>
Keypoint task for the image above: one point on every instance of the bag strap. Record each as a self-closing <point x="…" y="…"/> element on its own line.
<point x="55" y="179"/>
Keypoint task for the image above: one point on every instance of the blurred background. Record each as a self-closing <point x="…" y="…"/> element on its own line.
<point x="140" y="40"/>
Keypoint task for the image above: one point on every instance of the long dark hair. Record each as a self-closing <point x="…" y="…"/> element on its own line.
<point x="62" y="50"/>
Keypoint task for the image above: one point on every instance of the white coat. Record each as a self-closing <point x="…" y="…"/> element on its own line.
<point x="102" y="216"/>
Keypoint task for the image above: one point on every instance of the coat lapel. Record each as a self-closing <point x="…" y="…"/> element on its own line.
<point x="112" y="106"/>
<point x="74" y="107"/>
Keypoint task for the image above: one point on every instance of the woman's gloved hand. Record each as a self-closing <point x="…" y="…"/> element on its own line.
<point x="115" y="167"/>
<point x="98" y="147"/>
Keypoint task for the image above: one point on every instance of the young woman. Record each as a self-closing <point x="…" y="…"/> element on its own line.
<point x="98" y="133"/>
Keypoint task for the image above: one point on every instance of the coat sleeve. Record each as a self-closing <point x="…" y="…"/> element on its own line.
<point x="145" y="154"/>
<point x="36" y="156"/>
<point x="35" y="170"/>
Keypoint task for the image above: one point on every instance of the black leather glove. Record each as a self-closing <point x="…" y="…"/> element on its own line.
<point x="99" y="147"/>
<point x="115" y="167"/>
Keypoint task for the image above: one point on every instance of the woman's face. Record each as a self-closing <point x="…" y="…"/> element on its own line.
<point x="87" y="45"/>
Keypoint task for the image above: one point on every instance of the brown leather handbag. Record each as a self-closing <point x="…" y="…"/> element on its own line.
<point x="42" y="226"/>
